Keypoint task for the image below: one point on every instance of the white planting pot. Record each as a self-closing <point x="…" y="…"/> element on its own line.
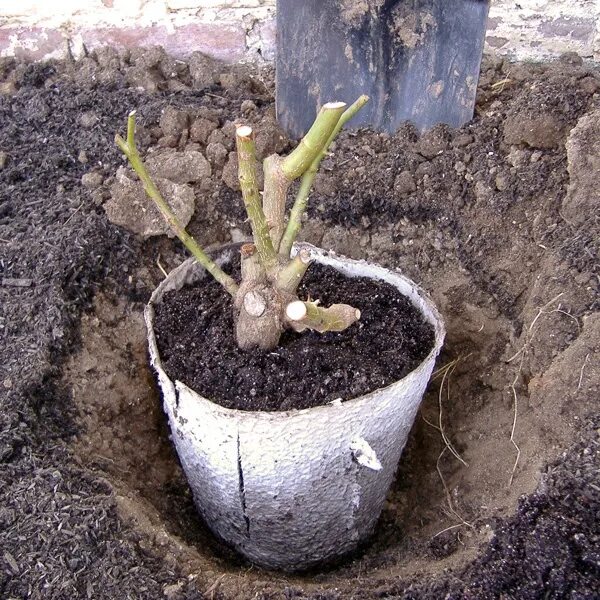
<point x="291" y="489"/>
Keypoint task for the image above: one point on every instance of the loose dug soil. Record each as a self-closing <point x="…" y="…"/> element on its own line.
<point x="497" y="493"/>
<point x="196" y="341"/>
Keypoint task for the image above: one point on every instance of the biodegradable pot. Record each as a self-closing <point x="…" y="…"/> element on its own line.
<point x="292" y="489"/>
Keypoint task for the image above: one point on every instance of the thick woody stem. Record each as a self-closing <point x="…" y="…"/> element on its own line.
<point x="130" y="150"/>
<point x="248" y="182"/>
<point x="258" y="322"/>
<point x="295" y="220"/>
<point x="253" y="276"/>
<point x="311" y="144"/>
<point x="291" y="275"/>
<point x="274" y="196"/>
<point x="308" y="315"/>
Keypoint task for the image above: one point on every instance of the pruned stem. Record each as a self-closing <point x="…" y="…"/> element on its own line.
<point x="309" y="315"/>
<point x="130" y="150"/>
<point x="312" y="143"/>
<point x="291" y="275"/>
<point x="295" y="220"/>
<point x="279" y="173"/>
<point x="251" y="268"/>
<point x="246" y="150"/>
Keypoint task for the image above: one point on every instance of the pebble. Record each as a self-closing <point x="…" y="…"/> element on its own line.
<point x="173" y="121"/>
<point x="502" y="182"/>
<point x="216" y="154"/>
<point x="404" y="183"/>
<point x="7" y="88"/>
<point x="248" y="107"/>
<point x="535" y="156"/>
<point x="92" y="180"/>
<point x="463" y="140"/>
<point x="460" y="167"/>
<point x="88" y="119"/>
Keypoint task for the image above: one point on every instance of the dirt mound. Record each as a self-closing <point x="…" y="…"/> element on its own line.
<point x="93" y="500"/>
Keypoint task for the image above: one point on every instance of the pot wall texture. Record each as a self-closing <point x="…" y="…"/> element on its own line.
<point x="234" y="30"/>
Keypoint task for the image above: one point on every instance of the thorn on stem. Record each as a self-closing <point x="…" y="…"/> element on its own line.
<point x="247" y="250"/>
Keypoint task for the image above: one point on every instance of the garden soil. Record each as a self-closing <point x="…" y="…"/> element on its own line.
<point x="498" y="491"/>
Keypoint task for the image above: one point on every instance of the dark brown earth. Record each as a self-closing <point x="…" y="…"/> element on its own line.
<point x="487" y="218"/>
<point x="195" y="335"/>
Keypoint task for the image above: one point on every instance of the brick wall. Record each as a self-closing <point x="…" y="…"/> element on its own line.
<point x="231" y="30"/>
<point x="540" y="29"/>
<point x="245" y="29"/>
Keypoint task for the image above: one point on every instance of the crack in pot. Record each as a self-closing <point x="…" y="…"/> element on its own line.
<point x="242" y="489"/>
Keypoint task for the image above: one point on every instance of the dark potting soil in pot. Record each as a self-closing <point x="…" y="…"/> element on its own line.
<point x="195" y="335"/>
